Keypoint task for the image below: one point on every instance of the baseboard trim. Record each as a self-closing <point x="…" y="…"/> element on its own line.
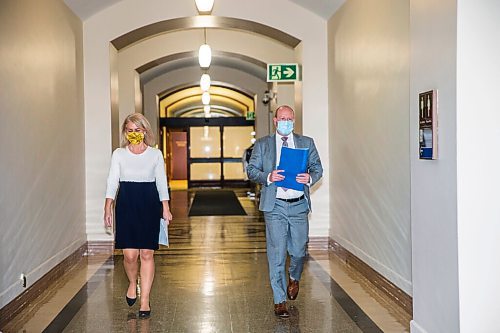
<point x="100" y="247"/>
<point x="22" y="301"/>
<point x="415" y="328"/>
<point x="396" y="294"/>
<point x="318" y="243"/>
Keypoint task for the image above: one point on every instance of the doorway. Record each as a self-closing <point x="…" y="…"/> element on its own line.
<point x="206" y="152"/>
<point x="176" y="158"/>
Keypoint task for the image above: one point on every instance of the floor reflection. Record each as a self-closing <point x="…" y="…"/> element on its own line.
<point x="136" y="325"/>
<point x="212" y="278"/>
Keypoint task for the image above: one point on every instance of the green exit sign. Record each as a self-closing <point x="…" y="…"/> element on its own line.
<point x="282" y="72"/>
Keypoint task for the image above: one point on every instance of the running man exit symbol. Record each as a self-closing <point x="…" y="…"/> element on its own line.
<point x="282" y="72"/>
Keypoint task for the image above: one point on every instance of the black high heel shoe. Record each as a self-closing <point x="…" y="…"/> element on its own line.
<point x="130" y="301"/>
<point x="145" y="314"/>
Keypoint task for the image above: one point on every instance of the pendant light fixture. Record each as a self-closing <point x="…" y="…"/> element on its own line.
<point x="204" y="7"/>
<point x="205" y="82"/>
<point x="205" y="98"/>
<point x="205" y="53"/>
<point x="206" y="110"/>
<point x="205" y="56"/>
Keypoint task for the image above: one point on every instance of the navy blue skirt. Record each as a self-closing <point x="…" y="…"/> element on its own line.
<point x="137" y="214"/>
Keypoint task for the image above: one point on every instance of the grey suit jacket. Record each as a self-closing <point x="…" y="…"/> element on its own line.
<point x="263" y="162"/>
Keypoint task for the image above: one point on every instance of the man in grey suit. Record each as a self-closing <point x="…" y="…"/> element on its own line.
<point x="285" y="210"/>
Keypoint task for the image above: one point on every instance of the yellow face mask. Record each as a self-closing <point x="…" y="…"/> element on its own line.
<point x="135" y="137"/>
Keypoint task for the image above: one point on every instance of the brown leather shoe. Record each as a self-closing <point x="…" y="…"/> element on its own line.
<point x="281" y="311"/>
<point x="293" y="289"/>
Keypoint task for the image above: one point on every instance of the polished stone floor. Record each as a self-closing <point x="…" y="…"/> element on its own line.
<point x="213" y="278"/>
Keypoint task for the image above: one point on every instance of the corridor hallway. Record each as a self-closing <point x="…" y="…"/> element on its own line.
<point x="213" y="278"/>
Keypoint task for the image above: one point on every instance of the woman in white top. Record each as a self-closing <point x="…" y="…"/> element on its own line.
<point x="138" y="175"/>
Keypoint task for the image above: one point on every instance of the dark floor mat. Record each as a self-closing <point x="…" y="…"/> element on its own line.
<point x="217" y="202"/>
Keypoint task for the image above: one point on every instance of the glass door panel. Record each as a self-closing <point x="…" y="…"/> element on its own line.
<point x="204" y="142"/>
<point x="205" y="171"/>
<point x="236" y="140"/>
<point x="234" y="171"/>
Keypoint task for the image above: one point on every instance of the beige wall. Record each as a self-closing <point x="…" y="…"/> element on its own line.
<point x="368" y="130"/>
<point x="42" y="191"/>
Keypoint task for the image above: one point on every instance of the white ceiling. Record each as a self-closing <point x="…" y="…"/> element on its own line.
<point x="86" y="8"/>
<point x="235" y="63"/>
<point x="323" y="8"/>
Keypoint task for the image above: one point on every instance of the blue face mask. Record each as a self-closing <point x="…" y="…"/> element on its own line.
<point x="285" y="127"/>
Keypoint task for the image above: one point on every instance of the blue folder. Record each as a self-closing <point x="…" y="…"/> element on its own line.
<point x="293" y="161"/>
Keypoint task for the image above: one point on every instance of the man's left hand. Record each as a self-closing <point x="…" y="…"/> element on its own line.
<point x="303" y="178"/>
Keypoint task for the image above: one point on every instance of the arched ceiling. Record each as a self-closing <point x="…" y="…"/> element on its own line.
<point x="162" y="66"/>
<point x="224" y="101"/>
<point x="86" y="8"/>
<point x="236" y="101"/>
<point x="227" y="101"/>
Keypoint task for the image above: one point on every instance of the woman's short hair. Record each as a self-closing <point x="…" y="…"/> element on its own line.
<point x="140" y="121"/>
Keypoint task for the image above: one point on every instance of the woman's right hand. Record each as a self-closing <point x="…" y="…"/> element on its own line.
<point x="108" y="218"/>
<point x="108" y="213"/>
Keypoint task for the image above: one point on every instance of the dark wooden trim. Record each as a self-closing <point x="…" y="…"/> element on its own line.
<point x="185" y="122"/>
<point x="22" y="301"/>
<point x="404" y="300"/>
<point x="100" y="247"/>
<point x="215" y="160"/>
<point x="318" y="243"/>
<point x="221" y="145"/>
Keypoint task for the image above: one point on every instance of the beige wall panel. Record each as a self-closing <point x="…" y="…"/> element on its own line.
<point x="42" y="175"/>
<point x="369" y="124"/>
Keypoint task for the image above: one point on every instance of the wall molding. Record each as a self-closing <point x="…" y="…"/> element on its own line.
<point x="203" y="21"/>
<point x="22" y="301"/>
<point x="415" y="328"/>
<point x="396" y="294"/>
<point x="318" y="243"/>
<point x="100" y="247"/>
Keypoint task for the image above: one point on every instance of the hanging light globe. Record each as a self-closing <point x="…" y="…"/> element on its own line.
<point x="205" y="98"/>
<point x="204" y="6"/>
<point x="205" y="82"/>
<point x="205" y="56"/>
<point x="206" y="110"/>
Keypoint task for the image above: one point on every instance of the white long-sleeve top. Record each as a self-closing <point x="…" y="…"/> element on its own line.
<point x="145" y="167"/>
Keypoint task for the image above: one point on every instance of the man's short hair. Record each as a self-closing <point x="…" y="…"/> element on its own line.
<point x="283" y="107"/>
